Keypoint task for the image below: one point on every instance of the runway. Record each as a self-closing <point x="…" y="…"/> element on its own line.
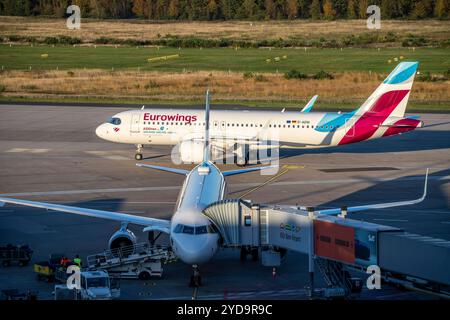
<point x="51" y="153"/>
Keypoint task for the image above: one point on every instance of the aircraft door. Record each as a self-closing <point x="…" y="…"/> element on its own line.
<point x="135" y="123"/>
<point x="223" y="127"/>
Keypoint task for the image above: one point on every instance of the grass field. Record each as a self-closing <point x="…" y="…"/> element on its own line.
<point x="220" y="59"/>
<point x="236" y="30"/>
<point x="122" y="74"/>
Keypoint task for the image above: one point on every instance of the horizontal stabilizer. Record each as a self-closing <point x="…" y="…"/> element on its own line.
<point x="240" y="171"/>
<point x="167" y="169"/>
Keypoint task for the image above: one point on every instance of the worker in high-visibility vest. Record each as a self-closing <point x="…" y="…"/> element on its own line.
<point x="77" y="260"/>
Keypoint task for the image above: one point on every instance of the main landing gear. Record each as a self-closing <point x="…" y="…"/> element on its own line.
<point x="242" y="155"/>
<point x="138" y="155"/>
<point x="196" y="279"/>
<point x="248" y="250"/>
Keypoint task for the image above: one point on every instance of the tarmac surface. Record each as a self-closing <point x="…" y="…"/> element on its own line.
<point x="51" y="154"/>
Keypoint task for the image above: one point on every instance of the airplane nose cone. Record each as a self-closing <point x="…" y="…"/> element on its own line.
<point x="195" y="249"/>
<point x="101" y="131"/>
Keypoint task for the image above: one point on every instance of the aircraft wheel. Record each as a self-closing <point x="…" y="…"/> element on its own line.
<point x="255" y="254"/>
<point x="138" y="156"/>
<point x="242" y="162"/>
<point x="144" y="275"/>
<point x="243" y="255"/>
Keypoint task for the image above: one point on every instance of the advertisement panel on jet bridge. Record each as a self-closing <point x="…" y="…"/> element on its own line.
<point x="289" y="230"/>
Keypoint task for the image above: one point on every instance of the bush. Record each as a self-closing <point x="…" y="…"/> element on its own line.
<point x="29" y="87"/>
<point x="151" y="85"/>
<point x="321" y="75"/>
<point x="104" y="40"/>
<point x="2" y="88"/>
<point x="414" y="41"/>
<point x="294" y="74"/>
<point x="447" y="74"/>
<point x="62" y="40"/>
<point x="260" y="77"/>
<point x="248" y="75"/>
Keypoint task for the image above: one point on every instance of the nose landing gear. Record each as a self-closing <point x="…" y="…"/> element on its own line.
<point x="138" y="155"/>
<point x="196" y="279"/>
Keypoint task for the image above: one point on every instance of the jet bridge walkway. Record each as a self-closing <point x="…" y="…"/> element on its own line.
<point x="337" y="246"/>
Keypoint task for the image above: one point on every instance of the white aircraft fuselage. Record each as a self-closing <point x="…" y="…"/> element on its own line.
<point x="193" y="238"/>
<point x="308" y="130"/>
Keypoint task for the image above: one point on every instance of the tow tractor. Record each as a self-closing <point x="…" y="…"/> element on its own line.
<point x="139" y="261"/>
<point x="45" y="270"/>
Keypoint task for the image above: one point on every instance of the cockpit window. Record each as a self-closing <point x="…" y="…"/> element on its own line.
<point x="178" y="228"/>
<point x="201" y="230"/>
<point x="115" y="121"/>
<point x="188" y="230"/>
<point x="181" y="228"/>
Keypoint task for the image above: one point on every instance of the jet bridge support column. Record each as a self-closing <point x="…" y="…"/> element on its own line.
<point x="311" y="216"/>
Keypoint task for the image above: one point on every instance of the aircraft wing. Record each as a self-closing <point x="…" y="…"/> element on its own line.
<point x="172" y="170"/>
<point x="337" y="211"/>
<point x="116" y="216"/>
<point x="308" y="107"/>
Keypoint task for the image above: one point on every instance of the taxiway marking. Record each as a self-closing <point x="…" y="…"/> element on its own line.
<point x="107" y="155"/>
<point x="18" y="150"/>
<point x="391" y="220"/>
<point x="238" y="185"/>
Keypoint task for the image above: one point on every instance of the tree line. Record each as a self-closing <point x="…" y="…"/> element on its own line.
<point x="230" y="9"/>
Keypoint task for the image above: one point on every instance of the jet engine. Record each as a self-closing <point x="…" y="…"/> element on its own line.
<point x="192" y="151"/>
<point x="122" y="238"/>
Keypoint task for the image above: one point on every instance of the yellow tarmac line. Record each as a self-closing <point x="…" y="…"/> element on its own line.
<point x="279" y="174"/>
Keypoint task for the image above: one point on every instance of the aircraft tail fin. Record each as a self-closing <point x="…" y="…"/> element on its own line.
<point x="206" y="151"/>
<point x="391" y="97"/>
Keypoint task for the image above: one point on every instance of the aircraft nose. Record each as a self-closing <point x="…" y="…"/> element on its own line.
<point x="195" y="250"/>
<point x="101" y="131"/>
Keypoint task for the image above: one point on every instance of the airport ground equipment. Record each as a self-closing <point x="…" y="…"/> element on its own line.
<point x="46" y="270"/>
<point x="337" y="246"/>
<point x="140" y="261"/>
<point x="14" y="294"/>
<point x="94" y="285"/>
<point x="15" y="254"/>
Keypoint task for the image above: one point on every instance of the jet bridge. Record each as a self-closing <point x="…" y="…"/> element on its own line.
<point x="242" y="223"/>
<point x="336" y="245"/>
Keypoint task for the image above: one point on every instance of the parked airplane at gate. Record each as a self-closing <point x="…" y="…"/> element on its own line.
<point x="193" y="237"/>
<point x="237" y="131"/>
